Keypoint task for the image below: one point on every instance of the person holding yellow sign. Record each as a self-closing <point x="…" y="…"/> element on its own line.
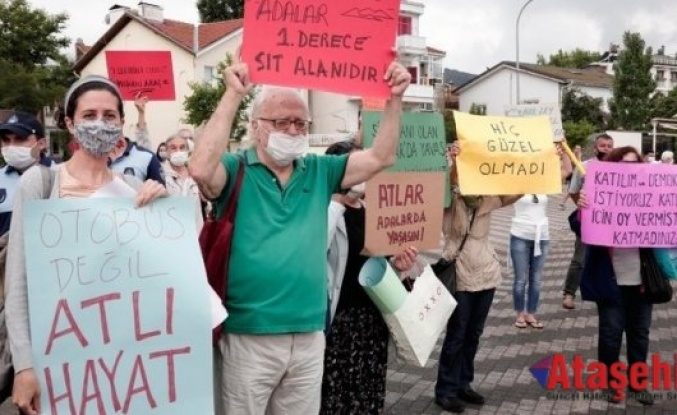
<point x="478" y="274"/>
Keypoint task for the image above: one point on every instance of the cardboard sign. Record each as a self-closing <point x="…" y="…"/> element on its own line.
<point x="506" y="156"/>
<point x="534" y="110"/>
<point x="403" y="209"/>
<point x="148" y="73"/>
<point x="342" y="47"/>
<point x="422" y="145"/>
<point x="631" y="205"/>
<point x="119" y="307"/>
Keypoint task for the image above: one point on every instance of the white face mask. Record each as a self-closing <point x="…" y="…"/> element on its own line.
<point x="284" y="148"/>
<point x="19" y="157"/>
<point x="179" y="158"/>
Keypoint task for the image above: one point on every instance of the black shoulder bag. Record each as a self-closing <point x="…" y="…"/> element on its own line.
<point x="656" y="287"/>
<point x="445" y="269"/>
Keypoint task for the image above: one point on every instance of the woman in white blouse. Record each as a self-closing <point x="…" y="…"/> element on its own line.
<point x="529" y="245"/>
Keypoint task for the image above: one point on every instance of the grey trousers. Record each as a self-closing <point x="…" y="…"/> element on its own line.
<point x="573" y="278"/>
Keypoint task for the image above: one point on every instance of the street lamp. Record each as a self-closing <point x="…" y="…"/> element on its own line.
<point x="517" y="50"/>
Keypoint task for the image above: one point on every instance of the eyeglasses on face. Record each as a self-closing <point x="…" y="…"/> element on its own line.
<point x="283" y="124"/>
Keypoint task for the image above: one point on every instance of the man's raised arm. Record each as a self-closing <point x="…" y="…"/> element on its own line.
<point x="205" y="164"/>
<point x="363" y="165"/>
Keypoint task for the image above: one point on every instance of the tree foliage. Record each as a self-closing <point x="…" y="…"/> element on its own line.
<point x="578" y="106"/>
<point x="449" y="126"/>
<point x="664" y="106"/>
<point x="577" y="132"/>
<point x="577" y="58"/>
<point x="34" y="71"/>
<point x="633" y="84"/>
<point x="219" y="10"/>
<point x="204" y="98"/>
<point x="30" y="37"/>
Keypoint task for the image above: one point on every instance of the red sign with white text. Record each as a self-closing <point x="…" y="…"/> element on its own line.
<point x="145" y="73"/>
<point x="336" y="46"/>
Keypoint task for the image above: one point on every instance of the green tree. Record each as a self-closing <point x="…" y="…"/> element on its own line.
<point x="577" y="58"/>
<point x="633" y="84"/>
<point x="478" y="109"/>
<point x="30" y="37"/>
<point x="577" y="132"/>
<point x="204" y="98"/>
<point x="578" y="106"/>
<point x="449" y="126"/>
<point x="664" y="106"/>
<point x="219" y="10"/>
<point x="34" y="72"/>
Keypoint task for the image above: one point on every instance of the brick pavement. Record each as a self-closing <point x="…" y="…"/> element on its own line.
<point x="506" y="352"/>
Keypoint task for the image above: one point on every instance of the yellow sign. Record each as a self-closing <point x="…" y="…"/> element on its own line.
<point x="506" y="156"/>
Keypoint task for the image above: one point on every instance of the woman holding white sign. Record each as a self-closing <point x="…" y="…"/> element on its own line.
<point x="357" y="336"/>
<point x="95" y="116"/>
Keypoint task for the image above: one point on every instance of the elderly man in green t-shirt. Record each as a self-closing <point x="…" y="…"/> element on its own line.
<point x="273" y="344"/>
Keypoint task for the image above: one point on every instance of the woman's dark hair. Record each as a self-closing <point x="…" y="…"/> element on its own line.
<point x="617" y="154"/>
<point x="157" y="151"/>
<point x="341" y="148"/>
<point x="91" y="86"/>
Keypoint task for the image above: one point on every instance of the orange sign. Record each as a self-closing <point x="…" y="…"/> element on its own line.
<point x="342" y="47"/>
<point x="403" y="209"/>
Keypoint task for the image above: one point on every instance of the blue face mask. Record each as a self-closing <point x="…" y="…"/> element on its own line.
<point x="97" y="137"/>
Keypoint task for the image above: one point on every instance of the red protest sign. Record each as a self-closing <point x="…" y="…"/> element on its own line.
<point x="147" y="72"/>
<point x="342" y="47"/>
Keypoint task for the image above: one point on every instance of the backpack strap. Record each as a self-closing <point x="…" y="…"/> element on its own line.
<point x="47" y="180"/>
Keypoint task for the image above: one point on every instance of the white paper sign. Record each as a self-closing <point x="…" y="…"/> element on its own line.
<point x="534" y="110"/>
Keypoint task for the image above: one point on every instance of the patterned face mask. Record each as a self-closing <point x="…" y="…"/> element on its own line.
<point x="97" y="137"/>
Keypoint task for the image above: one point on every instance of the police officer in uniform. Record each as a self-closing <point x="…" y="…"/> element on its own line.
<point x="22" y="138"/>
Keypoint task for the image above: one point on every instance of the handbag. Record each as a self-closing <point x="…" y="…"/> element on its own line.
<point x="656" y="288"/>
<point x="445" y="269"/>
<point x="598" y="280"/>
<point x="215" y="242"/>
<point x="575" y="222"/>
<point x="415" y="319"/>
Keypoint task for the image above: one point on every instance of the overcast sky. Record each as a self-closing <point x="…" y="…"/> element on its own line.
<point x="475" y="34"/>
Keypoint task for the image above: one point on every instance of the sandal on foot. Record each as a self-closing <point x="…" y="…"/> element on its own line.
<point x="521" y="324"/>
<point x="535" y="324"/>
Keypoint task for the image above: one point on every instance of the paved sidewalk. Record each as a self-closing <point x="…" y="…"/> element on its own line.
<point x="506" y="352"/>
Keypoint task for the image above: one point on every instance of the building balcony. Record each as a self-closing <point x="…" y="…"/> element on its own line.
<point x="412" y="7"/>
<point x="419" y="93"/>
<point x="411" y="45"/>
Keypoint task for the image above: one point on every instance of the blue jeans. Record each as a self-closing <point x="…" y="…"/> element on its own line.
<point x="526" y="265"/>
<point x="457" y="359"/>
<point x="632" y="316"/>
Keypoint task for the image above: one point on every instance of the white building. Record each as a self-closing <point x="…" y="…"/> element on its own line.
<point x="492" y="90"/>
<point x="664" y="69"/>
<point x="195" y="52"/>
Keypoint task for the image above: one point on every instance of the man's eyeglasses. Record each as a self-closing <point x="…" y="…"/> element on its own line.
<point x="284" y="124"/>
